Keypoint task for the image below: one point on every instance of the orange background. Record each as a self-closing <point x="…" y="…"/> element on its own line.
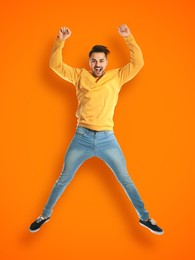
<point x="154" y="124"/>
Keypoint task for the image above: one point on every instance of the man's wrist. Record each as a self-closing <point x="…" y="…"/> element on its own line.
<point x="58" y="38"/>
<point x="128" y="37"/>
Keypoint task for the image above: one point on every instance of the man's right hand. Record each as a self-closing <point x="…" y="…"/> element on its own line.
<point x="64" y="33"/>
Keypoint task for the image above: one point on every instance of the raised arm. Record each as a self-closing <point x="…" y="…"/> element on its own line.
<point x="131" y="69"/>
<point x="56" y="62"/>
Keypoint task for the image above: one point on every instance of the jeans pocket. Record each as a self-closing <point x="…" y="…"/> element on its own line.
<point x="80" y="131"/>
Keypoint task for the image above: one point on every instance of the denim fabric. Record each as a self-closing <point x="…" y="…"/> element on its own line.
<point x="102" y="144"/>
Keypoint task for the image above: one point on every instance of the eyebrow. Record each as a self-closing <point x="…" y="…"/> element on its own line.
<point x="93" y="59"/>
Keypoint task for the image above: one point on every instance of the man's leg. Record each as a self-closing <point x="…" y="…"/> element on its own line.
<point x="75" y="156"/>
<point x="77" y="153"/>
<point x="110" y="152"/>
<point x="112" y="155"/>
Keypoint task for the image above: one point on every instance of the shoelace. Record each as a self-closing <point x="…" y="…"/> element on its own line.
<point x="152" y="221"/>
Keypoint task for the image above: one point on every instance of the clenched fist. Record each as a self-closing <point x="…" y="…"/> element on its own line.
<point x="64" y="33"/>
<point x="124" y="30"/>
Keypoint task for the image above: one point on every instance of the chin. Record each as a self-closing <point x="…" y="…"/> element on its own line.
<point x="98" y="75"/>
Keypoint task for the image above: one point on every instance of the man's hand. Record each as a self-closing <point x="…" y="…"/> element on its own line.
<point x="64" y="33"/>
<point x="124" y="30"/>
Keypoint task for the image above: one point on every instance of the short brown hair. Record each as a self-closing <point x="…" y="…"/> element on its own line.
<point x="99" y="48"/>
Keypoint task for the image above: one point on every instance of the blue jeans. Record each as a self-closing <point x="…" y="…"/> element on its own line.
<point x="103" y="144"/>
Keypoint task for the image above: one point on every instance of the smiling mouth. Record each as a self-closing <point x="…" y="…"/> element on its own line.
<point x="98" y="70"/>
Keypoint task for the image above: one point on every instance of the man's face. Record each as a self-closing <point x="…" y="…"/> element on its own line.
<point x="98" y="63"/>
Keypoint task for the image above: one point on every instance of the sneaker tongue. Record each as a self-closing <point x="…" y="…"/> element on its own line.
<point x="40" y="219"/>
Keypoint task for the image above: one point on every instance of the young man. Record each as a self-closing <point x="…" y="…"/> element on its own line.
<point x="97" y="93"/>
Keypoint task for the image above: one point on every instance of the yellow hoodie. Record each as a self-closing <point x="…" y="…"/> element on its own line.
<point x="97" y="98"/>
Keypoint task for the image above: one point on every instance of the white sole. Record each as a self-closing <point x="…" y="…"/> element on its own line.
<point x="154" y="232"/>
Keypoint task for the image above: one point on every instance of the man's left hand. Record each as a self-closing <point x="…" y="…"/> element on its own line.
<point x="124" y="30"/>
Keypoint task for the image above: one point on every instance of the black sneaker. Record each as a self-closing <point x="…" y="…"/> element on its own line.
<point x="35" y="226"/>
<point x="151" y="225"/>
